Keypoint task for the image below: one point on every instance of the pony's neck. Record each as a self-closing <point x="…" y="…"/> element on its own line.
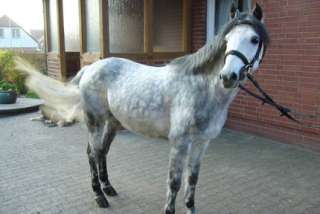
<point x="209" y="59"/>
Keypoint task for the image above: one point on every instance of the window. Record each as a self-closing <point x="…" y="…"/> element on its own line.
<point x="126" y="26"/>
<point x="92" y="25"/>
<point x="167" y="33"/>
<point x="137" y="28"/>
<point x="15" y="33"/>
<point x="1" y="33"/>
<point x="53" y="25"/>
<point x="71" y="25"/>
<point x="146" y="27"/>
<point x="218" y="14"/>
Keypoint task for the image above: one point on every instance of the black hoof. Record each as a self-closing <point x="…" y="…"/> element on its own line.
<point x="191" y="211"/>
<point x="110" y="191"/>
<point x="102" y="201"/>
<point x="168" y="211"/>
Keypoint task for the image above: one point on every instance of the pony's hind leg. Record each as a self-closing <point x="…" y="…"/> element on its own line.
<point x="110" y="132"/>
<point x="100" y="199"/>
<point x="102" y="131"/>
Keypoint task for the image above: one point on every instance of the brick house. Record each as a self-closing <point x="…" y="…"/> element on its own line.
<point x="154" y="31"/>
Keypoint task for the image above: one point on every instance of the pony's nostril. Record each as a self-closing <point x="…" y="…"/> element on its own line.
<point x="225" y="78"/>
<point x="234" y="76"/>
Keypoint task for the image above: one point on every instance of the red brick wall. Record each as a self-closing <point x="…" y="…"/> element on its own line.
<point x="199" y="21"/>
<point x="290" y="73"/>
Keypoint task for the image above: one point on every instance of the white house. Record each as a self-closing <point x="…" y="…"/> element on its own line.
<point x="13" y="36"/>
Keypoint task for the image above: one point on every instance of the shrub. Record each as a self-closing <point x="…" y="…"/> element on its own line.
<point x="5" y="86"/>
<point x="6" y="65"/>
<point x="9" y="74"/>
<point x="37" y="59"/>
<point x="31" y="94"/>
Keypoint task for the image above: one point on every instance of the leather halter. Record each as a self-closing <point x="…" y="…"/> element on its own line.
<point x="247" y="65"/>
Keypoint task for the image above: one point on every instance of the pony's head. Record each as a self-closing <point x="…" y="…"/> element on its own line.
<point x="246" y="41"/>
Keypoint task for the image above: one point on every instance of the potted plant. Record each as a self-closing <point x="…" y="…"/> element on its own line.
<point x="8" y="93"/>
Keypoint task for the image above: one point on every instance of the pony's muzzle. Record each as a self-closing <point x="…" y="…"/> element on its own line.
<point x="229" y="80"/>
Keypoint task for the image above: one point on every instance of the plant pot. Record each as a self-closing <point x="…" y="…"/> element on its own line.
<point x="8" y="97"/>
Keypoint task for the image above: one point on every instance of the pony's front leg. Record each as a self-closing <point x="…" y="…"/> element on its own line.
<point x="177" y="157"/>
<point x="191" y="177"/>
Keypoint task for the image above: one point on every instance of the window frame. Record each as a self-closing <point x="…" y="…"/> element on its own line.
<point x="148" y="53"/>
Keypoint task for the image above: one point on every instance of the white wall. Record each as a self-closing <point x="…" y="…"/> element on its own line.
<point x="24" y="41"/>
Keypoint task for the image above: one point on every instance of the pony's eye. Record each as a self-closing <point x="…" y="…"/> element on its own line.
<point x="255" y="40"/>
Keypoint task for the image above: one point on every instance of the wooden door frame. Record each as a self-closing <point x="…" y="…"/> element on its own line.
<point x="60" y="54"/>
<point x="61" y="41"/>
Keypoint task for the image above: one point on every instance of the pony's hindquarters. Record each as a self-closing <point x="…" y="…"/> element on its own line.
<point x="62" y="100"/>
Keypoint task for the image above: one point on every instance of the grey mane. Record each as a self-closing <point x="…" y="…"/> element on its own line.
<point x="198" y="62"/>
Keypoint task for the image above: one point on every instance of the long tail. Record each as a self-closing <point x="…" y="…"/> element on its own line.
<point x="62" y="100"/>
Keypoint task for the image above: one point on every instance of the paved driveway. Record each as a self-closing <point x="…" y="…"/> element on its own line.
<point x="45" y="170"/>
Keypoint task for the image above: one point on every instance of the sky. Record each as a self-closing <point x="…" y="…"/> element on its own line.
<point x="26" y="13"/>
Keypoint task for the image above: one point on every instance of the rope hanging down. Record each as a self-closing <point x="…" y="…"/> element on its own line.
<point x="265" y="98"/>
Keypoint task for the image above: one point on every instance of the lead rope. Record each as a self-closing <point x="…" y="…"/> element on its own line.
<point x="285" y="111"/>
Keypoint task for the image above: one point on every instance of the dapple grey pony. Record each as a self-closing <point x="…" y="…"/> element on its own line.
<point x="185" y="101"/>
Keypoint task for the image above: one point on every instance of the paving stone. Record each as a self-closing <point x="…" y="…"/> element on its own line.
<point x="45" y="170"/>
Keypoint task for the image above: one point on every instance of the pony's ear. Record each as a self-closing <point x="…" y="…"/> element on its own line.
<point x="257" y="12"/>
<point x="234" y="12"/>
